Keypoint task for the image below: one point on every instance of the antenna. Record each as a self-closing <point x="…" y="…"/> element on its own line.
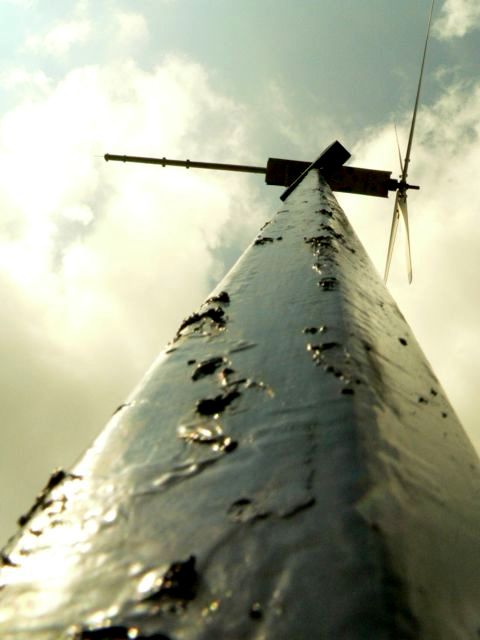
<point x="400" y="206"/>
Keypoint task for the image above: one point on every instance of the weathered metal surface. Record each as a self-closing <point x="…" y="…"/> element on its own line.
<point x="288" y="468"/>
<point x="331" y="158"/>
<point x="369" y="182"/>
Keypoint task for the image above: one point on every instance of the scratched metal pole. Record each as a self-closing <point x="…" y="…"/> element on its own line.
<point x="288" y="468"/>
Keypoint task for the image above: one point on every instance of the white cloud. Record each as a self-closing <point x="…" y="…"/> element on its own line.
<point x="26" y="81"/>
<point x="131" y="29"/>
<point x="20" y="3"/>
<point x="304" y="135"/>
<point x="457" y="18"/>
<point x="99" y="262"/>
<point x="61" y="38"/>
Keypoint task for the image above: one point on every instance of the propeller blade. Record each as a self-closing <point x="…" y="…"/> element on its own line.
<point x="399" y="152"/>
<point x="402" y="202"/>
<point x="393" y="234"/>
<point x="414" y="117"/>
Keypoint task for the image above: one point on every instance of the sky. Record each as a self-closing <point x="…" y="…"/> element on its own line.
<point x="99" y="262"/>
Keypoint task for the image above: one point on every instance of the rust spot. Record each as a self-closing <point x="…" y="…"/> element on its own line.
<point x="120" y="407"/>
<point x="117" y="632"/>
<point x="422" y="400"/>
<point x="332" y="232"/>
<point x="222" y="297"/>
<point x="325" y="212"/>
<point x="299" y="507"/>
<point x="229" y="445"/>
<point x="317" y="351"/>
<point x="58" y="476"/>
<point x="215" y="314"/>
<point x="244" y="510"/>
<point x="313" y="330"/>
<point x="6" y="561"/>
<point x="262" y="240"/>
<point x="320" y="242"/>
<point x="207" y="434"/>
<point x="207" y="367"/>
<point x="325" y="346"/>
<point x="178" y="583"/>
<point x="212" y="406"/>
<point x="328" y="284"/>
<point x="256" y="612"/>
<point x="310" y="330"/>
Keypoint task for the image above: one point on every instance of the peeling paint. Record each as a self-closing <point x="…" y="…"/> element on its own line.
<point x="56" y="478"/>
<point x="117" y="632"/>
<point x="207" y="367"/>
<point x="215" y="314"/>
<point x="6" y="561"/>
<point x="217" y="404"/>
<point x="261" y="240"/>
<point x="328" y="284"/>
<point x="256" y="612"/>
<point x="221" y="297"/>
<point x="210" y="433"/>
<point x="178" y="583"/>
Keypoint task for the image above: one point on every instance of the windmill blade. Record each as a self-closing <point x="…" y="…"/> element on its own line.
<point x="402" y="203"/>
<point x="393" y="234"/>
<point x="398" y="148"/>
<point x="414" y="117"/>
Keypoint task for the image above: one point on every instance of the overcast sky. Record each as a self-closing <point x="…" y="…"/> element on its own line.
<point x="100" y="262"/>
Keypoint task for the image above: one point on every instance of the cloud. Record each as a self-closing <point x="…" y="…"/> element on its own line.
<point x="304" y="136"/>
<point x="457" y="18"/>
<point x="20" y="3"/>
<point x="442" y="304"/>
<point x="131" y="29"/>
<point x="99" y="262"/>
<point x="61" y="38"/>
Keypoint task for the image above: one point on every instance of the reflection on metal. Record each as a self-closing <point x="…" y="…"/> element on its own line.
<point x="288" y="468"/>
<point x="286" y="173"/>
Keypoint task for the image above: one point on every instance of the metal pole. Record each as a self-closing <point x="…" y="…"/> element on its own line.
<point x="188" y="164"/>
<point x="288" y="468"/>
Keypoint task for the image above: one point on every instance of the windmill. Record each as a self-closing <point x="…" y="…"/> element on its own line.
<point x="349" y="179"/>
<point x="289" y="467"/>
